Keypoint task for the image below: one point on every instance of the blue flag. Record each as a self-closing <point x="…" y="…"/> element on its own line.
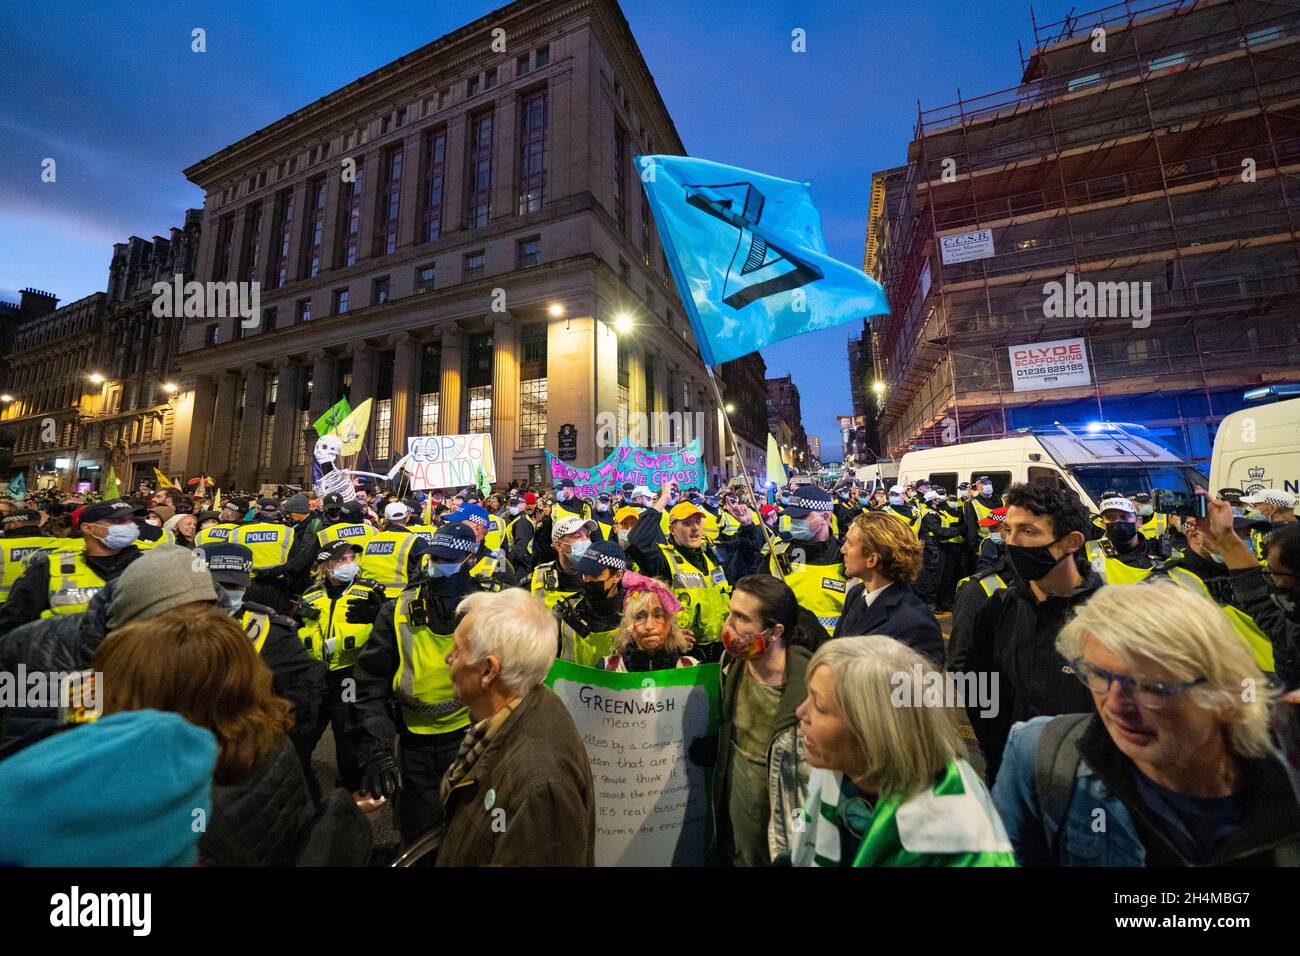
<point x="748" y="256"/>
<point x="17" y="487"/>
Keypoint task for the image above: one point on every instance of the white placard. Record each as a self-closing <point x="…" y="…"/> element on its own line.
<point x="966" y="246"/>
<point x="1059" y="364"/>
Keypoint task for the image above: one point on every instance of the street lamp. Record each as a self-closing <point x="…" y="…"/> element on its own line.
<point x="96" y="378"/>
<point x="6" y="398"/>
<point x="878" y="388"/>
<point x="622" y="323"/>
<point x="555" y="309"/>
<point x="730" y="407"/>
<point x="169" y="387"/>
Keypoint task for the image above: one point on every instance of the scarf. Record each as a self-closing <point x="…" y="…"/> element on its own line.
<point x="473" y="744"/>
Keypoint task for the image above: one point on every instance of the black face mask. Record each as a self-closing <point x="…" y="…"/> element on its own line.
<point x="1121" y="532"/>
<point x="1033" y="564"/>
<point x="595" y="595"/>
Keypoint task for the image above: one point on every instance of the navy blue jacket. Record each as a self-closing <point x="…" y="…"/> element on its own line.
<point x="896" y="612"/>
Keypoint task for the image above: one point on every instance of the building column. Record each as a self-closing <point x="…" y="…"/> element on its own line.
<point x="408" y="205"/>
<point x="218" y="453"/>
<point x="505" y="393"/>
<point x="369" y="197"/>
<point x="250" y="427"/>
<point x="295" y="247"/>
<point x="364" y="369"/>
<point x="505" y="131"/>
<point x="192" y="425"/>
<point x="449" y="392"/>
<point x="284" y="442"/>
<point x="453" y="195"/>
<point x="406" y="382"/>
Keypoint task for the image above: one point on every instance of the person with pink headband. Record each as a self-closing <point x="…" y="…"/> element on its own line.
<point x="649" y="637"/>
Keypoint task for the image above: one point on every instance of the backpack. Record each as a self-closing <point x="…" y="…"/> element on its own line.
<point x="1056" y="764"/>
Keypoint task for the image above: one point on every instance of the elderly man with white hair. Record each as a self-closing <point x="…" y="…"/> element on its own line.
<point x="519" y="792"/>
<point x="1175" y="767"/>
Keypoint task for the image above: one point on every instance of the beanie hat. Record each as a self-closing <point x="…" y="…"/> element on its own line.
<point x="162" y="578"/>
<point x="121" y="791"/>
<point x="297" y="505"/>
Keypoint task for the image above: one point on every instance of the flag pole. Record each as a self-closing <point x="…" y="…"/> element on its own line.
<point x="726" y="419"/>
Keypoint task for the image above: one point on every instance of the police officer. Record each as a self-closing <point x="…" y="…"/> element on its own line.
<point x="63" y="581"/>
<point x="404" y="663"/>
<point x="488" y="564"/>
<point x="558" y="579"/>
<point x="692" y="569"/>
<point x="230" y="517"/>
<point x="336" y="642"/>
<point x="603" y="515"/>
<point x="810" y="562"/>
<point x="342" y="520"/>
<point x="394" y="557"/>
<point x="567" y="501"/>
<point x="992" y="550"/>
<point x="520" y="532"/>
<point x="21" y="538"/>
<point x="936" y="527"/>
<point x="590" y="619"/>
<point x="1121" y="557"/>
<point x="266" y="536"/>
<point x="295" y="676"/>
<point x="1151" y="525"/>
<point x="496" y="533"/>
<point x="898" y="506"/>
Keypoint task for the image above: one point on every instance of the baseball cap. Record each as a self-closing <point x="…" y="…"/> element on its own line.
<point x="267" y="504"/>
<point x="808" y="499"/>
<point x="963" y="486"/>
<point x="396" y="511"/>
<point x="642" y="490"/>
<point x="995" y="518"/>
<point x="566" y="483"/>
<point x="896" y="489"/>
<point x="336" y="549"/>
<point x="1118" y="503"/>
<point x="1271" y="496"/>
<point x="114" y="510"/>
<point x="333" y="502"/>
<point x="530" y="498"/>
<point x="601" y="556"/>
<point x="569" y="524"/>
<point x="453" y="541"/>
<point x="471" y="514"/>
<point x="229" y="564"/>
<point x="932" y="495"/>
<point x="627" y="511"/>
<point x="683" y="510"/>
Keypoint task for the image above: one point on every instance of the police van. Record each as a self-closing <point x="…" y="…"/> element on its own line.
<point x="882" y="474"/>
<point x="1259" y="448"/>
<point x="1089" y="459"/>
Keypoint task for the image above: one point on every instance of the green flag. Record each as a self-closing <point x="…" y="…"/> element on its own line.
<point x="17" y="487"/>
<point x="481" y="483"/>
<point x="111" y="490"/>
<point x="331" y="419"/>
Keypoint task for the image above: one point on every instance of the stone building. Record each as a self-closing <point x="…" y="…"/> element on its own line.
<point x="459" y="235"/>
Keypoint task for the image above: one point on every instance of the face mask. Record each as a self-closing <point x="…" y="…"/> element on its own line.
<point x="603" y="509"/>
<point x="346" y="573"/>
<point x="844" y="496"/>
<point x="120" y="536"/>
<point x="1217" y="559"/>
<point x="565" y="494"/>
<point x="745" y="647"/>
<point x="514" y="511"/>
<point x="1033" y="564"/>
<point x="785" y="500"/>
<point x="895" y="499"/>
<point x="623" y="536"/>
<point x="995" y="537"/>
<point x="153" y="521"/>
<point x="439" y="569"/>
<point x="986" y="490"/>
<point x="578" y="549"/>
<point x="235" y="598"/>
<point x="1121" y="532"/>
<point x="1146" y="511"/>
<point x="1286" y="602"/>
<point x="799" y="529"/>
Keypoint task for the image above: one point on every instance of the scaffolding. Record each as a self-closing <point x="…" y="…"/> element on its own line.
<point x="1166" y="158"/>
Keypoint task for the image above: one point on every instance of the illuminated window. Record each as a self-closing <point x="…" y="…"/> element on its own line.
<point x="383" y="427"/>
<point x="480" y="409"/>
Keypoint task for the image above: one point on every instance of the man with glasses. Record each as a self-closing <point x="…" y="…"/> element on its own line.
<point x="1173" y="764"/>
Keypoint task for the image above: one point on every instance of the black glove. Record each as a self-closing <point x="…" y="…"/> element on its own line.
<point x="367" y="611"/>
<point x="381" y="777"/>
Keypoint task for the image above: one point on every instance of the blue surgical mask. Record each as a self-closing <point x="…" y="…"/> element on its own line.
<point x="235" y="599"/>
<point x="346" y="573"/>
<point x="121" y="536"/>
<point x="995" y="537"/>
<point x="785" y="500"/>
<point x="514" y="511"/>
<point x="986" y="490"/>
<point x="895" y="499"/>
<point x="1146" y="511"/>
<point x="578" y="549"/>
<point x="441" y="569"/>
<point x="799" y="529"/>
<point x="1217" y="558"/>
<point x="623" y="536"/>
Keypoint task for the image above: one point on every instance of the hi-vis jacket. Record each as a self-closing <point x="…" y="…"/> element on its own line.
<point x="1154" y="525"/>
<point x="704" y="593"/>
<point x="1261" y="647"/>
<point x="72" y="583"/>
<point x="1115" y="570"/>
<point x="217" y="533"/>
<point x="553" y="584"/>
<point x="330" y="638"/>
<point x="422" y="681"/>
<point x="387" y="559"/>
<point x="820" y="588"/>
<point x="269" y="542"/>
<point x="15" y="551"/>
<point x="358" y="532"/>
<point x="496" y="532"/>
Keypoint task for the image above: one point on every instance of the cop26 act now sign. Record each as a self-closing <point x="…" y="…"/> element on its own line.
<point x="1059" y="364"/>
<point x="448" y="461"/>
<point x="637" y="466"/>
<point x="652" y="801"/>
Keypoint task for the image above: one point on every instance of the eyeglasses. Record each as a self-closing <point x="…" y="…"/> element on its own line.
<point x="1150" y="695"/>
<point x="1271" y="577"/>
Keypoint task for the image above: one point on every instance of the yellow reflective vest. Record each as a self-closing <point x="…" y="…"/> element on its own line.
<point x="357" y="532"/>
<point x="1154" y="526"/>
<point x="1258" y="642"/>
<point x="270" y="543"/>
<point x="257" y="625"/>
<point x="496" y="532"/>
<point x="703" y="592"/>
<point x="72" y="583"/>
<point x="422" y="680"/>
<point x="510" y="533"/>
<point x="1113" y="570"/>
<point x="490" y="566"/>
<point x="981" y="512"/>
<point x="546" y="581"/>
<point x="387" y="559"/>
<point x="330" y="638"/>
<point x="166" y="538"/>
<point x="587" y="648"/>
<point x="820" y="588"/>
<point x="216" y="534"/>
<point x="15" y="553"/>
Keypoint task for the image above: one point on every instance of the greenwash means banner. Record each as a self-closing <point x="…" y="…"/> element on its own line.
<point x="652" y="802"/>
<point x="628" y="464"/>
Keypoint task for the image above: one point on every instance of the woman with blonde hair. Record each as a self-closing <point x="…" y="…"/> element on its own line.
<point x="889" y="784"/>
<point x="649" y="637"/>
<point x="1176" y="758"/>
<point x="203" y="667"/>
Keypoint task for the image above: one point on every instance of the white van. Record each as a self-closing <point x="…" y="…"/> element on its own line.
<point x="1258" y="448"/>
<point x="883" y="473"/>
<point x="1091" y="459"/>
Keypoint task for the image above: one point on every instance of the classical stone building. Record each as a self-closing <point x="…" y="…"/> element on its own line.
<point x="461" y="236"/>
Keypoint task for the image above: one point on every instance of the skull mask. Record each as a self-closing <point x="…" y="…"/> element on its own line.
<point x="328" y="448"/>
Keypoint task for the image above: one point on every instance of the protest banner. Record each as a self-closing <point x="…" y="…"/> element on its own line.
<point x="629" y="464"/>
<point x="449" y="461"/>
<point x="652" y="802"/>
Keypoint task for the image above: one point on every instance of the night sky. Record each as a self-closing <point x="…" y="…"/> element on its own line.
<point x="114" y="94"/>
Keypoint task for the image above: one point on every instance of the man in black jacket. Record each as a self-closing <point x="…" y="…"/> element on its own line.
<point x="1014" y="634"/>
<point x="884" y="554"/>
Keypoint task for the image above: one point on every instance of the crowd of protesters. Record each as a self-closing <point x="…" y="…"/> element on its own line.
<point x="1136" y="663"/>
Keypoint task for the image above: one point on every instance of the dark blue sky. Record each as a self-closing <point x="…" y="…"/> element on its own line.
<point x="113" y="93"/>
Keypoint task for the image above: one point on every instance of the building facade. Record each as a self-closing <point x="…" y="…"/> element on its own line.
<point x="1147" y="156"/>
<point x="743" y="383"/>
<point x="783" y="408"/>
<point x="462" y="237"/>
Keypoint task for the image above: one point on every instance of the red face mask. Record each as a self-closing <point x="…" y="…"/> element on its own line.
<point x="746" y="647"/>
